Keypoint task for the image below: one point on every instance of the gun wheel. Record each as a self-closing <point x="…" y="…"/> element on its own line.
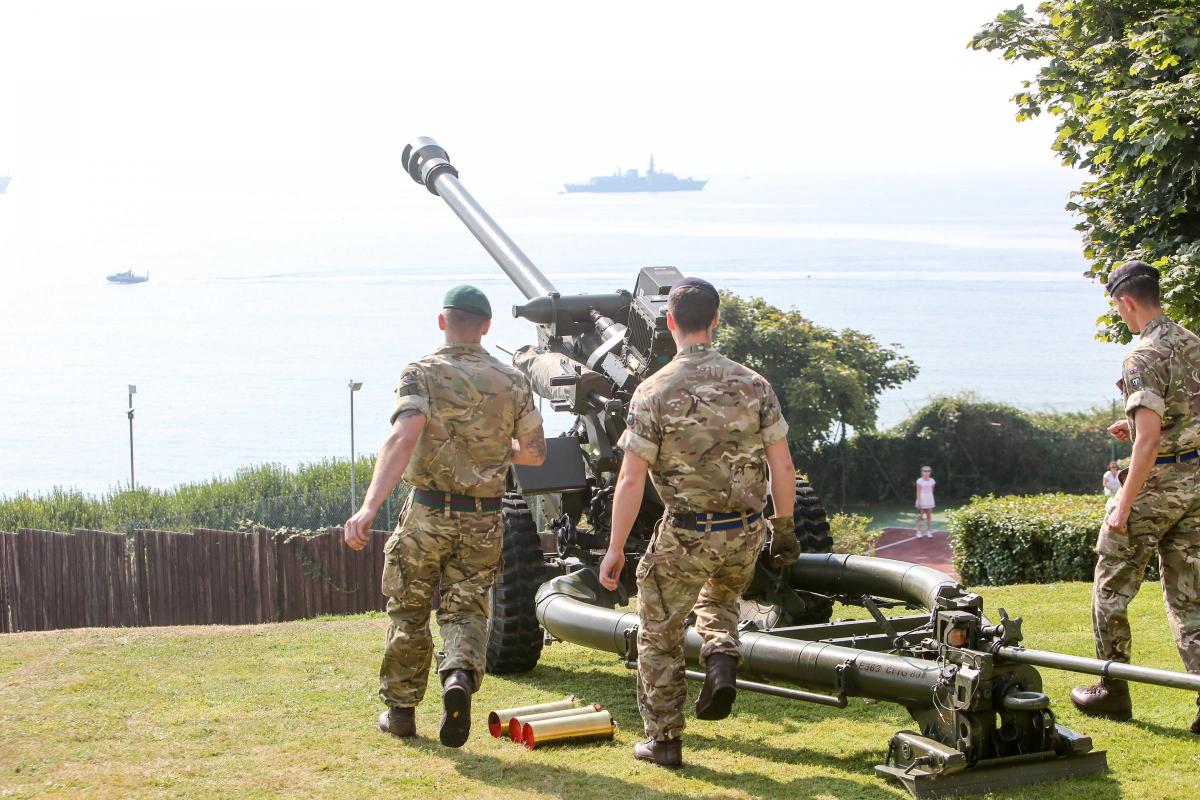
<point x="514" y="636"/>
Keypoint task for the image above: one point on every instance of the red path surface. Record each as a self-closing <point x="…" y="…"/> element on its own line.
<point x="902" y="545"/>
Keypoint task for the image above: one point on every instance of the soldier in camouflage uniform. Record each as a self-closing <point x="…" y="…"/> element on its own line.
<point x="1158" y="507"/>
<point x="706" y="429"/>
<point x="461" y="417"/>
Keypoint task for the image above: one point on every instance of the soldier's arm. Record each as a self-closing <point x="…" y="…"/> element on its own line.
<point x="394" y="455"/>
<point x="783" y="477"/>
<point x="627" y="501"/>
<point x="1148" y="425"/>
<point x="530" y="448"/>
<point x="528" y="436"/>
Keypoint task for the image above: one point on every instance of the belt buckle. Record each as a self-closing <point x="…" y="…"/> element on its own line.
<point x="708" y="523"/>
<point x="448" y="499"/>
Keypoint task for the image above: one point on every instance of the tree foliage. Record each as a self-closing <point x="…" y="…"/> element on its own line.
<point x="823" y="377"/>
<point x="1123" y="77"/>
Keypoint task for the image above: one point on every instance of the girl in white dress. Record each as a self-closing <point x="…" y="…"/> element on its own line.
<point x="925" y="503"/>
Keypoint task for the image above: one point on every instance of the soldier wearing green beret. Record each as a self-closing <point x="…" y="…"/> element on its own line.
<point x="460" y="419"/>
<point x="707" y="430"/>
<point x="1158" y="506"/>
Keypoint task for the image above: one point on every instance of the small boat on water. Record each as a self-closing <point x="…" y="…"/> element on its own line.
<point x="128" y="277"/>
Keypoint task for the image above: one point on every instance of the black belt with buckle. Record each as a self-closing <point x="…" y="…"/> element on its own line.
<point x="1178" y="458"/>
<point x="712" y="521"/>
<point x="455" y="502"/>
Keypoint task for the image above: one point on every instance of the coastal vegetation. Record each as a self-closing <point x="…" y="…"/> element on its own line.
<point x="309" y="496"/>
<point x="1123" y="79"/>
<point x="975" y="448"/>
<point x="827" y="381"/>
<point x="1033" y="539"/>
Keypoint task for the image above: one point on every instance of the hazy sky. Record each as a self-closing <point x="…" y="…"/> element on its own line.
<point x="257" y="117"/>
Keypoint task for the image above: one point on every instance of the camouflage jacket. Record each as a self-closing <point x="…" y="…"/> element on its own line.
<point x="474" y="407"/>
<point x="1162" y="373"/>
<point x="703" y="423"/>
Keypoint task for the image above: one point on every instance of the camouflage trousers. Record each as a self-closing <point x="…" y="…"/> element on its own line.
<point x="685" y="570"/>
<point x="460" y="551"/>
<point x="1166" y="518"/>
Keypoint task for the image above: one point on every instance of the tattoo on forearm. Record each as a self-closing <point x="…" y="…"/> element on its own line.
<point x="536" y="444"/>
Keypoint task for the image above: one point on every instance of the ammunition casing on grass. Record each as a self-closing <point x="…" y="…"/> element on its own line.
<point x="577" y="727"/>
<point x="498" y="720"/>
<point x="516" y="725"/>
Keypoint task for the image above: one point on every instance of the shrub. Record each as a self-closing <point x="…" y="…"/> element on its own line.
<point x="1034" y="539"/>
<point x="975" y="448"/>
<point x="853" y="535"/>
<point x="310" y="496"/>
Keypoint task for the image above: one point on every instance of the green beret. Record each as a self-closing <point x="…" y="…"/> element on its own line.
<point x="468" y="298"/>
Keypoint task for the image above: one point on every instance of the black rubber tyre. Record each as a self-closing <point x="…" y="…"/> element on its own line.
<point x="514" y="636"/>
<point x="812" y="526"/>
<point x="812" y="531"/>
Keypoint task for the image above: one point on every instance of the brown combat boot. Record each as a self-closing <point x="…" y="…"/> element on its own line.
<point x="665" y="753"/>
<point x="456" y="705"/>
<point x="1108" y="698"/>
<point x="720" y="687"/>
<point x="399" y="722"/>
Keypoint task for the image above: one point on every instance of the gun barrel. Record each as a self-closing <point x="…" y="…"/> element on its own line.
<point x="429" y="165"/>
<point x="1094" y="666"/>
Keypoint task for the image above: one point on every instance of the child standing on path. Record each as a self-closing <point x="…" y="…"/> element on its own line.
<point x="925" y="503"/>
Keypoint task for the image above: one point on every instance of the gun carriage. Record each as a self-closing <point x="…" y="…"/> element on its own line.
<point x="981" y="721"/>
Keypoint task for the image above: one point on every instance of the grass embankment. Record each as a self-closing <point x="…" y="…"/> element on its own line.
<point x="289" y="710"/>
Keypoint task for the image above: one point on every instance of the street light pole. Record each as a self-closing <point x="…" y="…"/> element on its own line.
<point x="354" y="387"/>
<point x="129" y="413"/>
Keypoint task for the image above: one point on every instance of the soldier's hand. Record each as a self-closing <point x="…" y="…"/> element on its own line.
<point x="1120" y="430"/>
<point x="1117" y="519"/>
<point x="357" y="530"/>
<point x="610" y="569"/>
<point x="784" y="547"/>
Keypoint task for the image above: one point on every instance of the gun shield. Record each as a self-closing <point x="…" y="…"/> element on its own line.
<point x="498" y="720"/>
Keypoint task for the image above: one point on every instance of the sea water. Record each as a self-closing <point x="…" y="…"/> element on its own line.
<point x="241" y="345"/>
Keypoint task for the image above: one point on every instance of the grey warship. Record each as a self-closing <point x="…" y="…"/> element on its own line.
<point x="631" y="181"/>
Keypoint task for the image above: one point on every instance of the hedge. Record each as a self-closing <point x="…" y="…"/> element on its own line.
<point x="1033" y="539"/>
<point x="975" y="448"/>
<point x="309" y="496"/>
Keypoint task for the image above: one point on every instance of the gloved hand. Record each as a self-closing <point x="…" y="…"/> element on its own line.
<point x="784" y="547"/>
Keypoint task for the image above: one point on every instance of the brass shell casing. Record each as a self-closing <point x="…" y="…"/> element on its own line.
<point x="596" y="725"/>
<point x="516" y="725"/>
<point x="498" y="720"/>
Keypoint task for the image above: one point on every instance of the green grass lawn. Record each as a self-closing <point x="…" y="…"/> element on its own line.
<point x="289" y="710"/>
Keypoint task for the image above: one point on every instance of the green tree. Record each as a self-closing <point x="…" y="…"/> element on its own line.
<point x="1123" y="77"/>
<point x="825" y="379"/>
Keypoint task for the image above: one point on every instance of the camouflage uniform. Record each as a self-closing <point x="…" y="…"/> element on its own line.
<point x="474" y="407"/>
<point x="1162" y="373"/>
<point x="702" y="423"/>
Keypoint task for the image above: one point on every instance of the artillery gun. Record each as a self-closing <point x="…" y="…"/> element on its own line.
<point x="981" y="720"/>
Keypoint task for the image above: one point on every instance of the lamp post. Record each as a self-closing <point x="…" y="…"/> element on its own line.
<point x="129" y="413"/>
<point x="354" y="387"/>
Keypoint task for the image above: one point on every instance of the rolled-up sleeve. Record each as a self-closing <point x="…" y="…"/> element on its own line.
<point x="528" y="417"/>
<point x="411" y="394"/>
<point x="1145" y="384"/>
<point x="643" y="433"/>
<point x="772" y="425"/>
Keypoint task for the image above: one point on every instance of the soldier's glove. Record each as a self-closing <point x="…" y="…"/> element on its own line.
<point x="784" y="547"/>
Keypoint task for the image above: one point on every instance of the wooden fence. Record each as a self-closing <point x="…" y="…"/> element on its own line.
<point x="51" y="580"/>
